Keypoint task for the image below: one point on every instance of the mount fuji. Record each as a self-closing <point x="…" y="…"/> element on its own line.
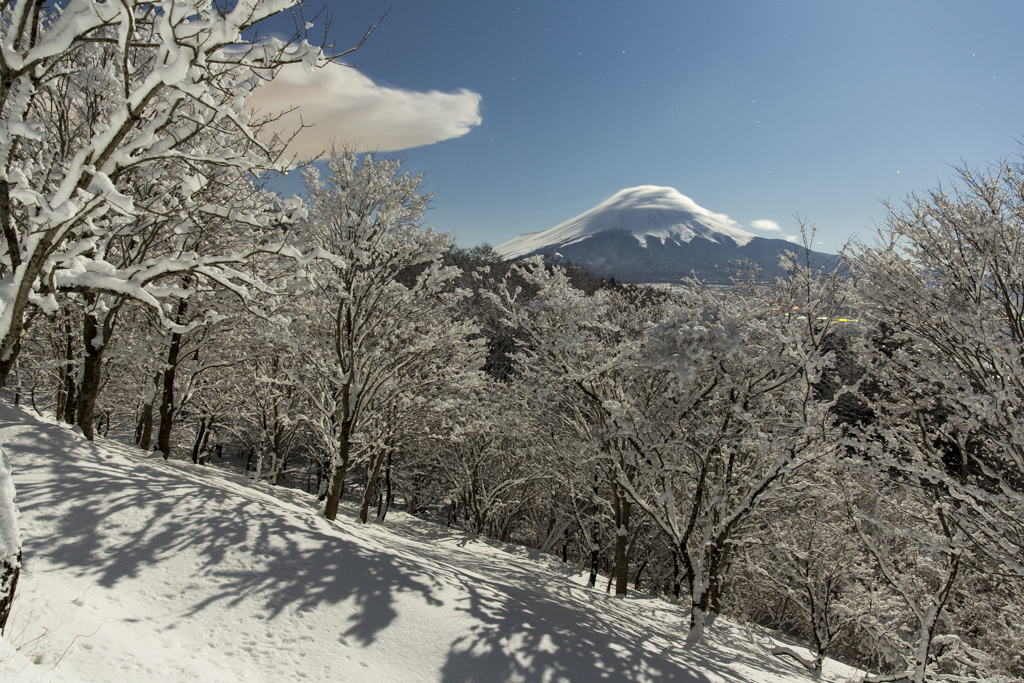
<point x="652" y="234"/>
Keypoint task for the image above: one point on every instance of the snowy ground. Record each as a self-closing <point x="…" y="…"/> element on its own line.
<point x="141" y="570"/>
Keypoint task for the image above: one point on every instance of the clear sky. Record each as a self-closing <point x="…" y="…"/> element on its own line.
<point x="758" y="110"/>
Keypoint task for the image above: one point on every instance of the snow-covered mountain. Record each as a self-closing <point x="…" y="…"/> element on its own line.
<point x="653" y="234"/>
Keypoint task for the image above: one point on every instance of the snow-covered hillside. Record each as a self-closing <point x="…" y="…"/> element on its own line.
<point x="647" y="212"/>
<point x="141" y="570"/>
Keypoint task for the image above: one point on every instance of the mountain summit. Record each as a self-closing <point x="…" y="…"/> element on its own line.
<point x="654" y="234"/>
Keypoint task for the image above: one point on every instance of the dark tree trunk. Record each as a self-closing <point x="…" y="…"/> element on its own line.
<point x="163" y="439"/>
<point x="206" y="440"/>
<point x="96" y="335"/>
<point x="9" y="574"/>
<point x="338" y="480"/>
<point x="389" y="496"/>
<point x="70" y="399"/>
<point x="282" y="449"/>
<point x="718" y="573"/>
<point x="622" y="510"/>
<point x="372" y="472"/>
<point x="337" y="486"/>
<point x="146" y="438"/>
<point x="595" y="554"/>
<point x="17" y="383"/>
<point x="8" y="362"/>
<point x="92" y="367"/>
<point x="144" y="430"/>
<point x="200" y="436"/>
<point x="639" y="573"/>
<point x="18" y="307"/>
<point x="677" y="582"/>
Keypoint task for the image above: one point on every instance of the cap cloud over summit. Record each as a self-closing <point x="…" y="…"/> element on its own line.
<point x="654" y="234"/>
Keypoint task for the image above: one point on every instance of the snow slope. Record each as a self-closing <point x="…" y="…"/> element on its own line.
<point x="647" y="211"/>
<point x="141" y="570"/>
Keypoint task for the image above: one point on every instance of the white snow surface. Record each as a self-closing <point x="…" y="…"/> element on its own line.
<point x="645" y="211"/>
<point x="137" y="570"/>
<point x="10" y="534"/>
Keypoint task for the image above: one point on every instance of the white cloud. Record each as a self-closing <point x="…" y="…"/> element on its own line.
<point x="344" y="105"/>
<point x="766" y="225"/>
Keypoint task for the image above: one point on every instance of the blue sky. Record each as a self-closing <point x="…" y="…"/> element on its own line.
<point x="759" y="110"/>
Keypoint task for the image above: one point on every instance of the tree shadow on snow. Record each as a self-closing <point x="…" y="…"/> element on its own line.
<point x="534" y="627"/>
<point x="114" y="517"/>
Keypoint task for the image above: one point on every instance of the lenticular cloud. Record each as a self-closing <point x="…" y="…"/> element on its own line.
<point x="339" y="103"/>
<point x="765" y="224"/>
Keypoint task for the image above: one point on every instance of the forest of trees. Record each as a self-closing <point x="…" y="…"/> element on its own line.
<point x="837" y="455"/>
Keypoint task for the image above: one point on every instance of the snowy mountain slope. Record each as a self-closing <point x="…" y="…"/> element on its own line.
<point x="141" y="570"/>
<point x="654" y="234"/>
<point x="647" y="211"/>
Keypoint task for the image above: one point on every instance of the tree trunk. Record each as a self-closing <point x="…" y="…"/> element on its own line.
<point x="338" y="480"/>
<point x="388" y="495"/>
<point x="17" y="384"/>
<point x="698" y="619"/>
<point x="595" y="554"/>
<point x="676" y="581"/>
<point x="92" y="367"/>
<point x="144" y="429"/>
<point x="622" y="544"/>
<point x="70" y="399"/>
<point x="699" y="594"/>
<point x="282" y="451"/>
<point x="10" y="341"/>
<point x="9" y="573"/>
<point x="639" y="573"/>
<point x="9" y="361"/>
<point x="200" y="438"/>
<point x="259" y="465"/>
<point x="206" y="440"/>
<point x="717" y="572"/>
<point x="163" y="439"/>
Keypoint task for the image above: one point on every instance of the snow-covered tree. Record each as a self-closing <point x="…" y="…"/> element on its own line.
<point x="902" y="524"/>
<point x="729" y="414"/>
<point x="806" y="551"/>
<point x="944" y="286"/>
<point x="486" y="456"/>
<point x="94" y="92"/>
<point x="579" y="353"/>
<point x="276" y="414"/>
<point x="380" y="307"/>
<point x="943" y="291"/>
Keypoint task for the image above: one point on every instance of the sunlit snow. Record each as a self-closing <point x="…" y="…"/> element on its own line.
<point x="137" y="569"/>
<point x="645" y="211"/>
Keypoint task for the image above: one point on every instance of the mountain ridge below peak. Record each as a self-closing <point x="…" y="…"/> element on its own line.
<point x="655" y="234"/>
